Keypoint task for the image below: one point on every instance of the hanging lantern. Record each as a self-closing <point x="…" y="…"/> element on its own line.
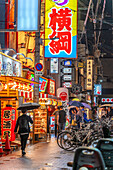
<point x="10" y="83"/>
<point x="30" y="88"/>
<point x="49" y="108"/>
<point x="26" y="87"/>
<point x="14" y="85"/>
<point x="22" y="86"/>
<point x="17" y="85"/>
<point x="4" y="86"/>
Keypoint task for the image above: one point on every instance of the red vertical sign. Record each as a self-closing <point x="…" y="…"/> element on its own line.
<point x="8" y="121"/>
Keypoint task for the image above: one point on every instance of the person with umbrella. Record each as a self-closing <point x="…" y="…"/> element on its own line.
<point x="24" y="129"/>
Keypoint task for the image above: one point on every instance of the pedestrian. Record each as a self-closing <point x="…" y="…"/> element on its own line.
<point x="56" y="112"/>
<point x="79" y="117"/>
<point x="61" y="119"/>
<point x="73" y="117"/>
<point x="24" y="129"/>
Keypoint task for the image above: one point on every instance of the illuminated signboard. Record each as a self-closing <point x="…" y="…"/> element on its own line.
<point x="89" y="74"/>
<point x="61" y="29"/>
<point x="27" y="15"/>
<point x="42" y="84"/>
<point x="67" y="63"/>
<point x="107" y="100"/>
<point x="10" y="66"/>
<point x="67" y="70"/>
<point x="67" y="84"/>
<point x="54" y="65"/>
<point x="51" y="87"/>
<point x="97" y="89"/>
<point x="67" y="77"/>
<point x="8" y="122"/>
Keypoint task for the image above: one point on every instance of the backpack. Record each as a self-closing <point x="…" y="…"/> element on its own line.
<point x="23" y="124"/>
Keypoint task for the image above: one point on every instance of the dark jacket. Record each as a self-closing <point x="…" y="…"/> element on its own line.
<point x="17" y="124"/>
<point x="62" y="116"/>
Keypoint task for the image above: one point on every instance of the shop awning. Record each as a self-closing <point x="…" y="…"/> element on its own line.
<point x="17" y="79"/>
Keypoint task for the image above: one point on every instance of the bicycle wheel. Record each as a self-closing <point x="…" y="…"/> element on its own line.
<point x="59" y="137"/>
<point x="68" y="141"/>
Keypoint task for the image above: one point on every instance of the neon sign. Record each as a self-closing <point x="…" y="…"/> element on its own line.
<point x="42" y="84"/>
<point x="61" y="29"/>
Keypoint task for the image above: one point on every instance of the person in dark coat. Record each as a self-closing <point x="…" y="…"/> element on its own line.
<point x="24" y="129"/>
<point x="56" y="112"/>
<point x="62" y="119"/>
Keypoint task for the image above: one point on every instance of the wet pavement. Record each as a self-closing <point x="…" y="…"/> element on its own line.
<point x="40" y="156"/>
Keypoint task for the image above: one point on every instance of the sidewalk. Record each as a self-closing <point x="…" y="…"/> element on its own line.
<point x="41" y="156"/>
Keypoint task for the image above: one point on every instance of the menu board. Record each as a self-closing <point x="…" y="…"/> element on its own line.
<point x="10" y="67"/>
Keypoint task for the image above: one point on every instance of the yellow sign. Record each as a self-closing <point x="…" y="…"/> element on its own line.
<point x="61" y="28"/>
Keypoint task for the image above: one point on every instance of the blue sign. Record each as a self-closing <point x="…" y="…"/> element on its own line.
<point x="27" y="15"/>
<point x="68" y="63"/>
<point x="97" y="89"/>
<point x="38" y="66"/>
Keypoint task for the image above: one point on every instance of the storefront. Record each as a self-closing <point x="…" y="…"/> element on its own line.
<point x="14" y="90"/>
<point x="48" y="102"/>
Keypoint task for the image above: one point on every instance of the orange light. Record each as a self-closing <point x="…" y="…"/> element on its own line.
<point x="10" y="83"/>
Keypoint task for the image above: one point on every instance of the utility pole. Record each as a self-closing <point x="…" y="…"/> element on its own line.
<point x="36" y="60"/>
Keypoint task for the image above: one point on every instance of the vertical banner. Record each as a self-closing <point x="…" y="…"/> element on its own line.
<point x="61" y="29"/>
<point x="89" y="74"/>
<point x="8" y="121"/>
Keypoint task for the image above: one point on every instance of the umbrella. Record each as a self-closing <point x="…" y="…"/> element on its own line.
<point x="28" y="106"/>
<point x="87" y="105"/>
<point x="75" y="103"/>
<point x="75" y="99"/>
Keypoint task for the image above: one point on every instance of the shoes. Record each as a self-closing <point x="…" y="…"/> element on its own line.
<point x="70" y="164"/>
<point x="23" y="152"/>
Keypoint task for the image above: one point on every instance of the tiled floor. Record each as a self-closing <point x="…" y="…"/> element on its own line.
<point x="41" y="156"/>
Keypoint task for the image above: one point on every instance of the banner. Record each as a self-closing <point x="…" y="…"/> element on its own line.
<point x="89" y="74"/>
<point x="61" y="29"/>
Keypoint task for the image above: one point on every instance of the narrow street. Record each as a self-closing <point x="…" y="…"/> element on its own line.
<point x="42" y="156"/>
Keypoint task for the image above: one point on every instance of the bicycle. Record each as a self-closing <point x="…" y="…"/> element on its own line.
<point x="69" y="140"/>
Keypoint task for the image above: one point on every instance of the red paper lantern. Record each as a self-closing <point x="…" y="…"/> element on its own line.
<point x="17" y="85"/>
<point x="10" y="83"/>
<point x="26" y="87"/>
<point x="22" y="86"/>
<point x="30" y="88"/>
<point x="4" y="86"/>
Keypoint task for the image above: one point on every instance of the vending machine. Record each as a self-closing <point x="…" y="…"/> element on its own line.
<point x="8" y="121"/>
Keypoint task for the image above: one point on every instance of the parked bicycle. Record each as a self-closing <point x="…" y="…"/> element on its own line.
<point x="90" y="132"/>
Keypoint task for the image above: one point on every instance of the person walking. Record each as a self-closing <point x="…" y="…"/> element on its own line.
<point x="79" y="117"/>
<point x="61" y="119"/>
<point x="56" y="112"/>
<point x="24" y="129"/>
